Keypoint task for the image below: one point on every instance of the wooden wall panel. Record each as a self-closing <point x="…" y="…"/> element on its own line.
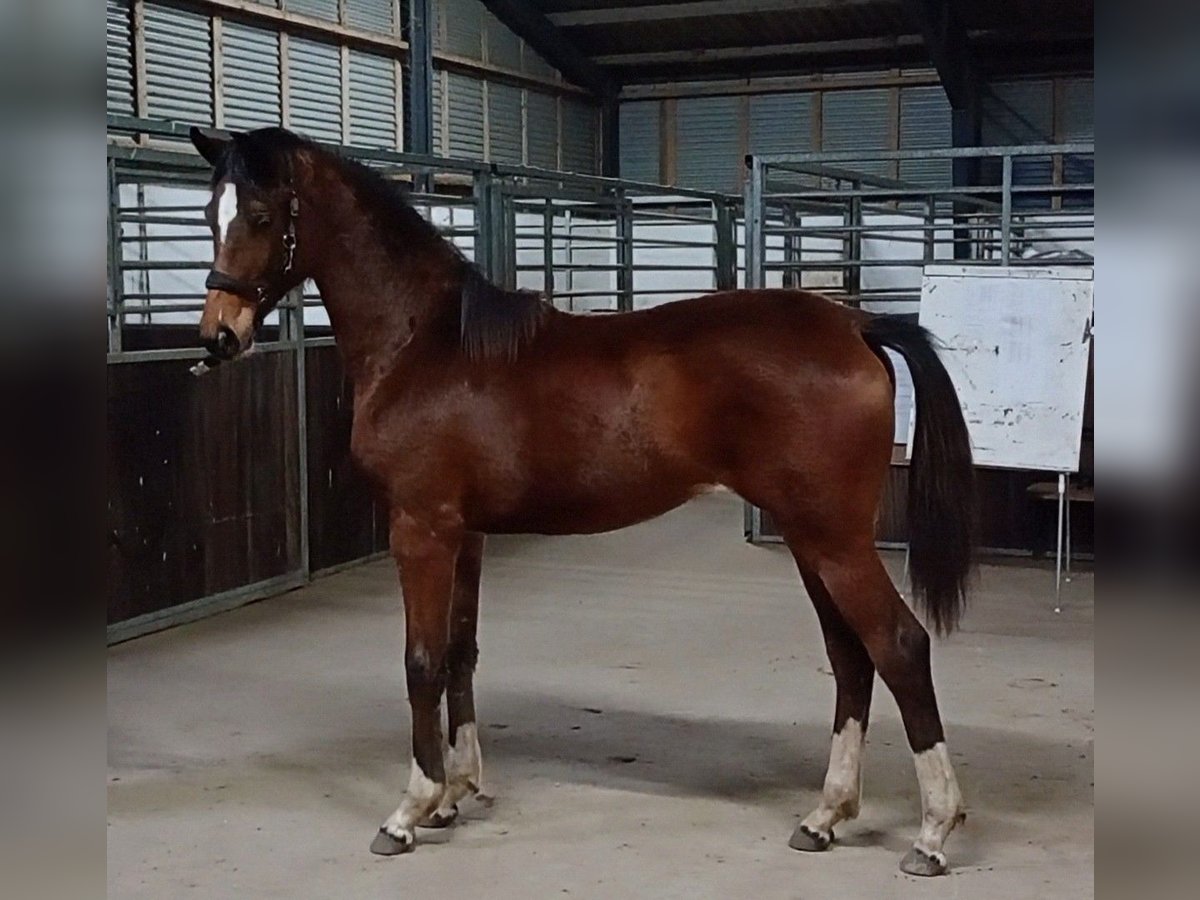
<point x="203" y="481"/>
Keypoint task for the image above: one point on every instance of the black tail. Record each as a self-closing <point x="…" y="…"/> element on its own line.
<point x="941" y="478"/>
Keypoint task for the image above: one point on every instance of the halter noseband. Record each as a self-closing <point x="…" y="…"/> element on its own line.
<point x="262" y="291"/>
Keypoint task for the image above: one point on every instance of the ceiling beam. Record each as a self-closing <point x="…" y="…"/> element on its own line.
<point x="722" y="54"/>
<point x="949" y="49"/>
<point x="659" y="12"/>
<point x="541" y="34"/>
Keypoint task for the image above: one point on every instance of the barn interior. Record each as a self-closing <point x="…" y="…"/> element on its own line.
<point x="654" y="703"/>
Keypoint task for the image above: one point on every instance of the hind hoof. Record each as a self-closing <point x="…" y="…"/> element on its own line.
<point x="386" y="844"/>
<point x="810" y="840"/>
<point x="925" y="865"/>
<point x="442" y="818"/>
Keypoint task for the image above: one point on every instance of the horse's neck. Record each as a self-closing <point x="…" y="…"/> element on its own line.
<point x="374" y="300"/>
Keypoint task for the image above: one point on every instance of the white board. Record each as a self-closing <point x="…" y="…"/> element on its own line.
<point x="1016" y="344"/>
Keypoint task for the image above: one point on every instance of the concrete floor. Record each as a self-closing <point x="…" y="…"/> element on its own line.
<point x="655" y="708"/>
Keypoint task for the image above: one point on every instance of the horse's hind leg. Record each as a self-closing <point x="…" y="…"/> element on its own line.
<point x="898" y="646"/>
<point x="855" y="675"/>
<point x="460" y="752"/>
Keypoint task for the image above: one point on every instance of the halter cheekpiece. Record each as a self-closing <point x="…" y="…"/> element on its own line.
<point x="262" y="291"/>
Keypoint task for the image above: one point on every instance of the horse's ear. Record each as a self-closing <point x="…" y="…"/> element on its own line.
<point x="211" y="148"/>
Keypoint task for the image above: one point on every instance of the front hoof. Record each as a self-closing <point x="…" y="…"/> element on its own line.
<point x="926" y="865"/>
<point x="442" y="818"/>
<point x="809" y="839"/>
<point x="387" y="844"/>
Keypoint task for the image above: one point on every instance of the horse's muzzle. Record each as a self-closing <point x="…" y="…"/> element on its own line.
<point x="224" y="344"/>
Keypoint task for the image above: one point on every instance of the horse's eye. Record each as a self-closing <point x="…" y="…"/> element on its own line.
<point x="260" y="217"/>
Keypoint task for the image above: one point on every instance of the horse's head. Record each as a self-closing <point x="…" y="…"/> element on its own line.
<point x="253" y="213"/>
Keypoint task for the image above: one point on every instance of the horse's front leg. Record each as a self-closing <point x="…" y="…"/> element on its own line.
<point x="463" y="761"/>
<point x="425" y="552"/>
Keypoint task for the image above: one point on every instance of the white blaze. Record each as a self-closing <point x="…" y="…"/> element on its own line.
<point x="226" y="209"/>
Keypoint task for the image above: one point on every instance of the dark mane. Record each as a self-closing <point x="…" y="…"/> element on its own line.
<point x="493" y="323"/>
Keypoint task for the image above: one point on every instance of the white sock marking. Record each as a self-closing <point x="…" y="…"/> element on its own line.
<point x="843" y="781"/>
<point x="423" y="792"/>
<point x="941" y="800"/>
<point x="227" y="209"/>
<point x="464" y="767"/>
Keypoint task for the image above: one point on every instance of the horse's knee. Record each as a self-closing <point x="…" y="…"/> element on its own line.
<point x="422" y="670"/>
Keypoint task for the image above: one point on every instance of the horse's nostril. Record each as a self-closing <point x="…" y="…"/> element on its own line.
<point x="227" y="342"/>
<point x="224" y="344"/>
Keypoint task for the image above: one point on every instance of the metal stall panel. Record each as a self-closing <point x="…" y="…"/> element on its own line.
<point x="315" y="89"/>
<point x="640" y="140"/>
<point x="250" y="76"/>
<point x="542" y="130"/>
<point x="707" y="143"/>
<point x="178" y="65"/>
<point x="504" y="123"/>
<point x="118" y="58"/>
<point x="580" y="136"/>
<point x="372" y="93"/>
<point x="780" y="123"/>
<point x="924" y="125"/>
<point x="857" y="120"/>
<point x="466" y="116"/>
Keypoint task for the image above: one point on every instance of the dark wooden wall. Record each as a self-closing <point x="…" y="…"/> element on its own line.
<point x="345" y="521"/>
<point x="203" y="475"/>
<point x="203" y="481"/>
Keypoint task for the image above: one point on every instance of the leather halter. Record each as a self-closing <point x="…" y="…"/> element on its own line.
<point x="262" y="291"/>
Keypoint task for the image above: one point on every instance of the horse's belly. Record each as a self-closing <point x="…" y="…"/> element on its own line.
<point x="588" y="503"/>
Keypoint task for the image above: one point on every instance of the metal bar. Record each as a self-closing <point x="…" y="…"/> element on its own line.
<point x="183" y="353"/>
<point x="754" y="223"/>
<point x="548" y="249"/>
<point x="116" y="275"/>
<point x="202" y="608"/>
<point x="295" y="316"/>
<point x="725" y="250"/>
<point x="1006" y="210"/>
<point x="618" y="267"/>
<point x="1078" y="148"/>
<point x="624" y="256"/>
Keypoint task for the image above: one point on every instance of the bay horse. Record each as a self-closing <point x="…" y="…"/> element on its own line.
<point x="479" y="410"/>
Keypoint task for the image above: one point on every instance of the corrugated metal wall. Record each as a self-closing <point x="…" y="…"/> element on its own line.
<point x="250" y="76"/>
<point x="925" y="124"/>
<point x="370" y="15"/>
<point x="504" y="123"/>
<point x="318" y="9"/>
<point x="118" y="58"/>
<point x="857" y="120"/>
<point x="178" y="64"/>
<point x="640" y="141"/>
<point x="460" y="28"/>
<point x="780" y="123"/>
<point x="315" y="76"/>
<point x="542" y="130"/>
<point x="372" y="100"/>
<point x="503" y="46"/>
<point x="465" y="109"/>
<point x="580" y="136"/>
<point x="181" y="61"/>
<point x="707" y="142"/>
